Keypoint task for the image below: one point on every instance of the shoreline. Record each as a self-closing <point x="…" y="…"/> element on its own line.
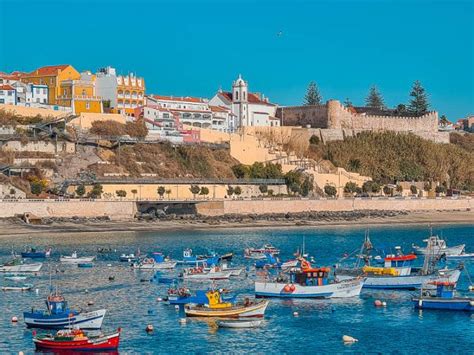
<point x="11" y="228"/>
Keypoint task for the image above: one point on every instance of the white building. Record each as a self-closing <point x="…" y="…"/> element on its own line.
<point x="7" y="94"/>
<point x="31" y="94"/>
<point x="250" y="109"/>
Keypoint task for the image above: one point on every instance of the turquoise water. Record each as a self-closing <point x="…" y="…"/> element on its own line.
<point x="132" y="304"/>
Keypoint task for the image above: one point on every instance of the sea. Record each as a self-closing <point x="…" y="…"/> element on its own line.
<point x="133" y="302"/>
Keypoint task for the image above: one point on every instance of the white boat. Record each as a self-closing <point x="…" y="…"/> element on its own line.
<point x="308" y="282"/>
<point x="198" y="273"/>
<point x="16" y="278"/>
<point x="239" y="323"/>
<point x="26" y="287"/>
<point x="74" y="259"/>
<point x="460" y="257"/>
<point x="437" y="246"/>
<point x="289" y="264"/>
<point x="17" y="266"/>
<point x="150" y="264"/>
<point x="257" y="253"/>
<point x="235" y="271"/>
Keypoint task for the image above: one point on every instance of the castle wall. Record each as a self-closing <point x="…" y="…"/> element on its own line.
<point x="313" y="116"/>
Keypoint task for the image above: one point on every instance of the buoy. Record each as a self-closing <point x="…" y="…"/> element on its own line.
<point x="37" y="291"/>
<point x="471" y="288"/>
<point x="111" y="278"/>
<point x="90" y="303"/>
<point x="86" y="290"/>
<point x="21" y="353"/>
<point x="292" y="288"/>
<point x="295" y="314"/>
<point x="287" y="288"/>
<point x="159" y="299"/>
<point x="348" y="339"/>
<point x="14" y="319"/>
<point x="149" y="328"/>
<point x="384" y="304"/>
<point x="109" y="265"/>
<point x="176" y="307"/>
<point x="182" y="320"/>
<point x="378" y="303"/>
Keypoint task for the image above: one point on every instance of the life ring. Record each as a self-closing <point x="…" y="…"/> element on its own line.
<point x="287" y="288"/>
<point x="148" y="261"/>
<point x="292" y="288"/>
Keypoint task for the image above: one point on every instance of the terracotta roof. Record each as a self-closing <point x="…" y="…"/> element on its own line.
<point x="219" y="109"/>
<point x="6" y="87"/>
<point x="252" y="98"/>
<point x="49" y="70"/>
<point x="179" y="98"/>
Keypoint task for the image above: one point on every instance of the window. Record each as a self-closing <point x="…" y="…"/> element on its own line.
<point x="2" y="101"/>
<point x="10" y="93"/>
<point x="166" y="115"/>
<point x="83" y="92"/>
<point x="244" y="96"/>
<point x="88" y="105"/>
<point x="64" y="92"/>
<point x="45" y="92"/>
<point x="236" y="95"/>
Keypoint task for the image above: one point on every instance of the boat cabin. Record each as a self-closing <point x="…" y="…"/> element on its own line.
<point x="56" y="304"/>
<point x="402" y="263"/>
<point x="158" y="257"/>
<point x="444" y="289"/>
<point x="311" y="277"/>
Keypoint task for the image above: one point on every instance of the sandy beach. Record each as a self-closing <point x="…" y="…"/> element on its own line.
<point x="10" y="227"/>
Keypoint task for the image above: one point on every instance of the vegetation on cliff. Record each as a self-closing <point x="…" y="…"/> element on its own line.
<point x="388" y="157"/>
<point x="136" y="129"/>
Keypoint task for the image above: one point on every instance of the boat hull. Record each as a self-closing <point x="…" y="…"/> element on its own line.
<point x="34" y="255"/>
<point x="256" y="310"/>
<point x="82" y="260"/>
<point x="21" y="268"/>
<point x="89" y="320"/>
<point x="456" y="250"/>
<point x="452" y="304"/>
<point x="108" y="342"/>
<point x="157" y="266"/>
<point x="224" y="275"/>
<point x="461" y="257"/>
<point x="344" y="289"/>
<point x="239" y="324"/>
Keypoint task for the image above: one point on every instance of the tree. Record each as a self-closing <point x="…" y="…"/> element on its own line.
<point x="294" y="188"/>
<point x="96" y="191"/>
<point x="312" y="97"/>
<point x="374" y="99"/>
<point x="307" y="186"/>
<point x="330" y="190"/>
<point x="36" y="187"/>
<point x="375" y="188"/>
<point x="387" y="190"/>
<point x="263" y="189"/>
<point x="399" y="188"/>
<point x="230" y="191"/>
<point x="238" y="190"/>
<point x="121" y="193"/>
<point x="413" y="189"/>
<point x="444" y="121"/>
<point x="347" y="102"/>
<point x="270" y="192"/>
<point x="80" y="190"/>
<point x="419" y="103"/>
<point x="440" y="189"/>
<point x="134" y="192"/>
<point x="12" y="191"/>
<point x="168" y="193"/>
<point x="314" y="139"/>
<point x="401" y="110"/>
<point x="204" y="191"/>
<point x="195" y="189"/>
<point x="161" y="191"/>
<point x="240" y="171"/>
<point x="427" y="186"/>
<point x="350" y="187"/>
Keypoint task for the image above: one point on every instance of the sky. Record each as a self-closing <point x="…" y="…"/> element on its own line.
<point x="192" y="48"/>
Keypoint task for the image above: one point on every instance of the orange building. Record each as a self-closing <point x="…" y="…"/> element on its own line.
<point x="130" y="94"/>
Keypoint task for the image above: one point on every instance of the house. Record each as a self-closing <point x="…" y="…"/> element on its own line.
<point x="7" y="94"/>
<point x="249" y="109"/>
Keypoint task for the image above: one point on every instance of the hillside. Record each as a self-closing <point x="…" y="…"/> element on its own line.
<point x="389" y="157"/>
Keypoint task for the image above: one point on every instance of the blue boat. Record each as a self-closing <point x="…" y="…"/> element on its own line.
<point x="32" y="253"/>
<point x="59" y="316"/>
<point x="444" y="299"/>
<point x="271" y="261"/>
<point x="190" y="259"/>
<point x="182" y="296"/>
<point x="85" y="265"/>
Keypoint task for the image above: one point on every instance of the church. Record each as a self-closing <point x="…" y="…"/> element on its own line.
<point x="250" y="109"/>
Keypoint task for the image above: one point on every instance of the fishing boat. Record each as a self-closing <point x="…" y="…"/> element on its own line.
<point x="239" y="323"/>
<point x="182" y="295"/>
<point x="18" y="266"/>
<point x="129" y="258"/>
<point x="272" y="261"/>
<point x="15" y="277"/>
<point x="32" y="253"/>
<point x="190" y="259"/>
<point x="461" y="257"/>
<point x="217" y="307"/>
<point x="25" y="287"/>
<point x="438" y="246"/>
<point x="198" y="273"/>
<point x="308" y="282"/>
<point x="158" y="262"/>
<point x="444" y="299"/>
<point x="59" y="316"/>
<point x="234" y="271"/>
<point x="77" y="340"/>
<point x="75" y="259"/>
<point x="255" y="252"/>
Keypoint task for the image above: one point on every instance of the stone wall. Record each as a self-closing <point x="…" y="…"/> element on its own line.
<point x="313" y="116"/>
<point x="38" y="146"/>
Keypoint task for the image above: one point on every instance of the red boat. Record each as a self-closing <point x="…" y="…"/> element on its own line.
<point x="77" y="340"/>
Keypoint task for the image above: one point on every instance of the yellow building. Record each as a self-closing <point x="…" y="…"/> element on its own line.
<point x="130" y="93"/>
<point x="66" y="88"/>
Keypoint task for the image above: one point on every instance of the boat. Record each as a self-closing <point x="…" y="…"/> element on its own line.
<point x="77" y="340"/>
<point x="308" y="282"/>
<point x="226" y="257"/>
<point x="198" y="273"/>
<point x="251" y="253"/>
<point x="182" y="295"/>
<point x="74" y="259"/>
<point x="438" y="246"/>
<point x="234" y="271"/>
<point x="239" y="323"/>
<point x="217" y="307"/>
<point x="103" y="250"/>
<point x="25" y="287"/>
<point x="129" y="258"/>
<point x="18" y="266"/>
<point x="272" y="261"/>
<point x="397" y="271"/>
<point x="190" y="259"/>
<point x="32" y="253"/>
<point x="444" y="299"/>
<point x="461" y="257"/>
<point x="15" y="277"/>
<point x="158" y="262"/>
<point x="85" y="265"/>
<point x="59" y="316"/>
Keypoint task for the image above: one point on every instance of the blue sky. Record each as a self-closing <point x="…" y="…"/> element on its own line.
<point x="194" y="47"/>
